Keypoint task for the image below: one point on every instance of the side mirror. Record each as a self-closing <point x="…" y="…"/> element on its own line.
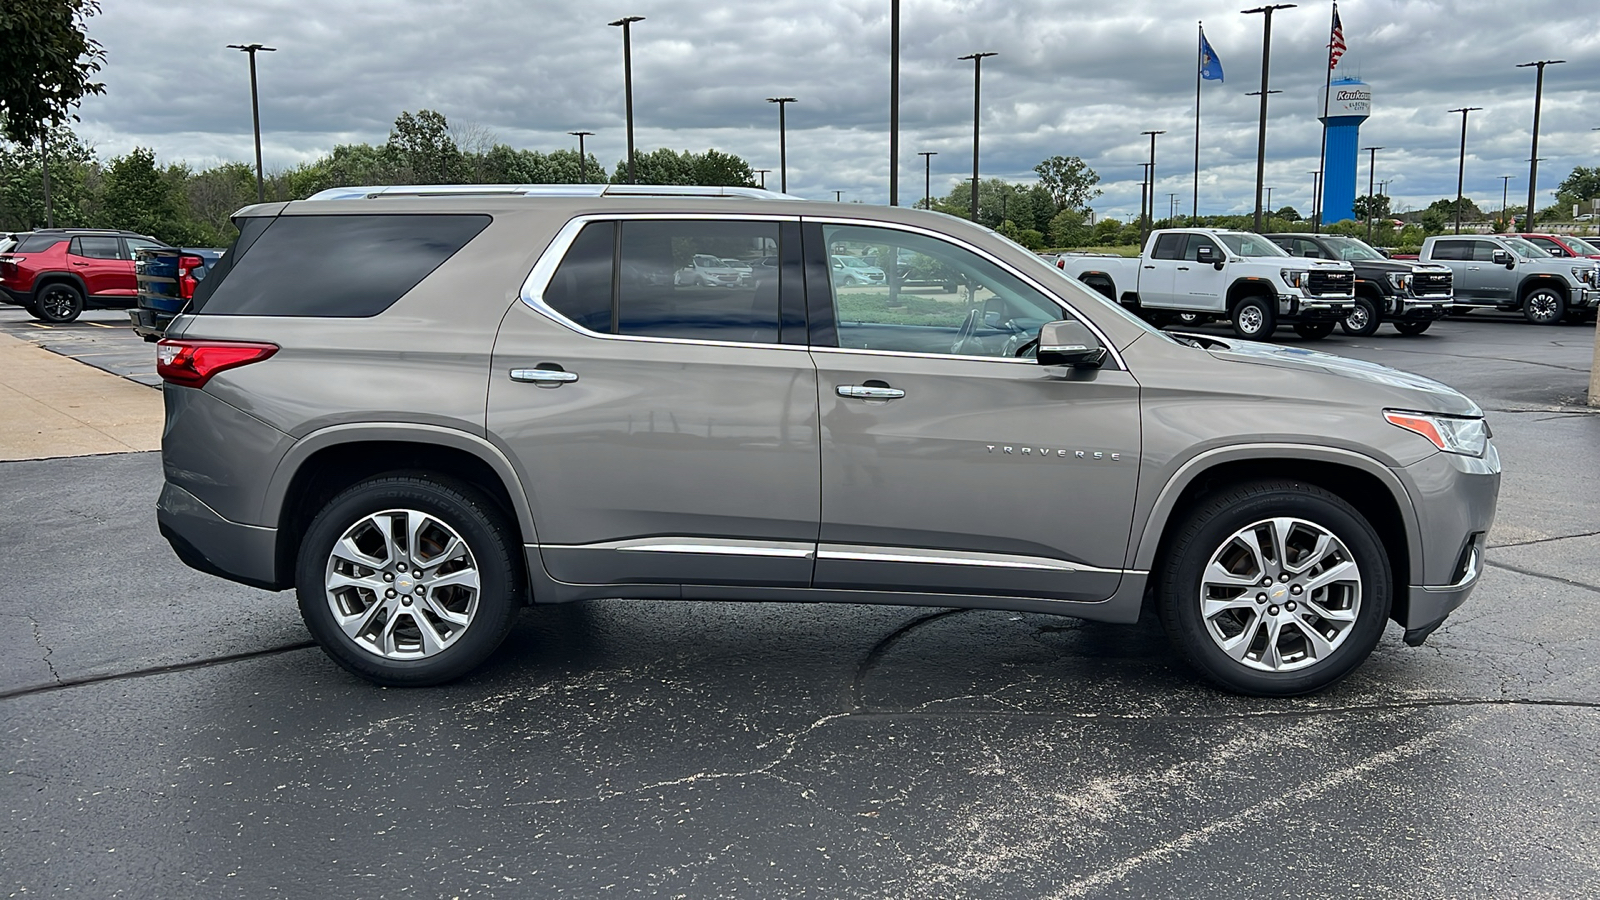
<point x="1205" y="255"/>
<point x="1502" y="258"/>
<point x="1382" y="251"/>
<point x="1313" y="254"/>
<point x="1068" y="343"/>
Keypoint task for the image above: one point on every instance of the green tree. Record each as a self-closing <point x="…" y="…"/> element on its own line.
<point x="423" y="151"/>
<point x="1070" y="182"/>
<point x="46" y="62"/>
<point x="663" y="166"/>
<point x="1583" y="184"/>
<point x="140" y="197"/>
<point x="1377" y="207"/>
<point x="1433" y="219"/>
<point x="214" y="196"/>
<point x="1288" y="214"/>
<point x="1070" y="228"/>
<point x="73" y="174"/>
<point x="1107" y="232"/>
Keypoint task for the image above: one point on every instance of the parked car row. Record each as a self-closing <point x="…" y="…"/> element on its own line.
<point x="1195" y="275"/>
<point x="57" y="273"/>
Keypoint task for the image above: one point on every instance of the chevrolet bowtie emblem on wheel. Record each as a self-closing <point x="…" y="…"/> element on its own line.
<point x="1056" y="452"/>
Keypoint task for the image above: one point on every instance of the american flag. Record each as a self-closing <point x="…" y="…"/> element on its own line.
<point x="1336" y="45"/>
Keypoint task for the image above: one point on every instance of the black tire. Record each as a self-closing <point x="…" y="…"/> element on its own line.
<point x="1192" y="319"/>
<point x="1254" y="319"/>
<point x="491" y="546"/>
<point x="1363" y="320"/>
<point x="1411" y="329"/>
<point x="1208" y="530"/>
<point x="57" y="302"/>
<point x="1313" y="331"/>
<point x="1544" y="306"/>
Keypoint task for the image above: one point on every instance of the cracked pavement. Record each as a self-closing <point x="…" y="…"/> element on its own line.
<point x="168" y="734"/>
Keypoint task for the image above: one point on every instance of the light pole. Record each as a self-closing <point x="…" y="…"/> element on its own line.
<point x="977" y="87"/>
<point x="1505" y="195"/>
<point x="1316" y="191"/>
<point x="1144" y="195"/>
<point x="1461" y="169"/>
<point x="1533" y="157"/>
<point x="1266" y="66"/>
<point x="894" y="102"/>
<point x="838" y="196"/>
<point x="583" y="158"/>
<point x="783" y="143"/>
<point x="1372" y="168"/>
<point x="927" y="177"/>
<point x="1269" y="201"/>
<point x="627" y="79"/>
<point x="1152" y="177"/>
<point x="763" y="174"/>
<point x="255" y="110"/>
<point x="1172" y="208"/>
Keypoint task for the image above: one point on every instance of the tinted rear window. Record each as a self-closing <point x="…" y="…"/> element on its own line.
<point x="335" y="266"/>
<point x="581" y="286"/>
<point x="34" y="243"/>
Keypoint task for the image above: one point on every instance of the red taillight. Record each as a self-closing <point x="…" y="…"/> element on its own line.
<point x="192" y="363"/>
<point x="186" y="279"/>
<point x="1061" y="264"/>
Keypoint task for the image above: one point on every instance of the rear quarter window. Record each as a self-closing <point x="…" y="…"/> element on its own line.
<point x="333" y="266"/>
<point x="36" y="243"/>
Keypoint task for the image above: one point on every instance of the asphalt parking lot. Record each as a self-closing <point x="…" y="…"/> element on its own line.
<point x="167" y="734"/>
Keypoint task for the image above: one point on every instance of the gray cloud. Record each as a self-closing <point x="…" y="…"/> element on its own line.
<point x="1076" y="78"/>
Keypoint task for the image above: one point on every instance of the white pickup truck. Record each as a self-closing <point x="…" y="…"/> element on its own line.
<point x="1196" y="274"/>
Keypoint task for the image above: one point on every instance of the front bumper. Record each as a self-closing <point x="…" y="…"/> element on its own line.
<point x="1454" y="497"/>
<point x="1315" y="309"/>
<point x="1411" y="309"/>
<point x="1587" y="298"/>
<point x="206" y="541"/>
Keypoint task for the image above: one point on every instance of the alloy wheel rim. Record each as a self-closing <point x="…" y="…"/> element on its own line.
<point x="57" y="303"/>
<point x="1280" y="595"/>
<point x="1543" y="305"/>
<point x="402" y="584"/>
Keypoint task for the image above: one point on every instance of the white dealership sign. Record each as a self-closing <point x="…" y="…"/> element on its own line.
<point x="1348" y="100"/>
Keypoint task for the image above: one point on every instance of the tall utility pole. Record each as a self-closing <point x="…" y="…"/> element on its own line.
<point x="783" y="143"/>
<point x="894" y="102"/>
<point x="1172" y="208"/>
<point x="1533" y="157"/>
<point x="1269" y="201"/>
<point x="1505" y="195"/>
<point x="1266" y="70"/>
<point x="255" y="110"/>
<point x="44" y="156"/>
<point x="838" y="196"/>
<point x="763" y="174"/>
<point x="1152" y="173"/>
<point x="977" y="88"/>
<point x="927" y="177"/>
<point x="627" y="80"/>
<point x="583" y="158"/>
<point x="1316" y="188"/>
<point x="1372" y="168"/>
<point x="1145" y="197"/>
<point x="1461" y="169"/>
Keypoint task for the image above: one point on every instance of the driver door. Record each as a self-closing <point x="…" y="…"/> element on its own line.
<point x="950" y="465"/>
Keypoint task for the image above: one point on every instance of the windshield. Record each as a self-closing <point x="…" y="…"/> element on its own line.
<point x="1351" y="249"/>
<point x="855" y="262"/>
<point x="708" y="262"/>
<point x="1251" y="245"/>
<point x="1526" y="248"/>
<point x="734" y="264"/>
<point x="1583" y="246"/>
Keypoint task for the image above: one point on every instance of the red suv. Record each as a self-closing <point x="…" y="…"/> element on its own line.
<point x="1562" y="245"/>
<point x="55" y="273"/>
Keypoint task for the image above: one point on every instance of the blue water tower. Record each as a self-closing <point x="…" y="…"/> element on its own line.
<point x="1348" y="106"/>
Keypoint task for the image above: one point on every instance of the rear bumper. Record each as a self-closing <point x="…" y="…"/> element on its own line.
<point x="208" y="542"/>
<point x="150" y="324"/>
<point x="16" y="297"/>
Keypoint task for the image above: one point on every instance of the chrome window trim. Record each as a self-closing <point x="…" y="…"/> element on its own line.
<point x="917" y="355"/>
<point x="983" y="254"/>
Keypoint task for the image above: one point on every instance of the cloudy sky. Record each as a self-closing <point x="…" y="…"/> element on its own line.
<point x="1074" y="77"/>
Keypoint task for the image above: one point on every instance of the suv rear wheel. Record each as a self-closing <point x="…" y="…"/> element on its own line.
<point x="409" y="580"/>
<point x="1275" y="588"/>
<point x="1254" y="319"/>
<point x="57" y="302"/>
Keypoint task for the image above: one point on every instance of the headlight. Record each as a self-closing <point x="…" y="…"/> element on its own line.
<point x="1585" y="274"/>
<point x="1452" y="434"/>
<point x="1400" y="281"/>
<point x="1293" y="277"/>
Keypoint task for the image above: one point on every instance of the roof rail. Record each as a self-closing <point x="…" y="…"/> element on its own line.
<point x="546" y="190"/>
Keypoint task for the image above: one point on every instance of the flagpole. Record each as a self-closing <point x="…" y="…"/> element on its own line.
<point x="1199" y="51"/>
<point x="1327" y="92"/>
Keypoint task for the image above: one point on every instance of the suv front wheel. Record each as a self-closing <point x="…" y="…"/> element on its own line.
<point x="409" y="580"/>
<point x="1275" y="588"/>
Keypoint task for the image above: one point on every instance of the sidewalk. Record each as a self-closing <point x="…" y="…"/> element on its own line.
<point x="53" y="406"/>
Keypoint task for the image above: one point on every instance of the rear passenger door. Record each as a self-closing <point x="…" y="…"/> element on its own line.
<point x="665" y="429"/>
<point x="1158" y="273"/>
<point x="100" y="261"/>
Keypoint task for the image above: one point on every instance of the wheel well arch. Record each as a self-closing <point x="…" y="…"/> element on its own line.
<point x="331" y="469"/>
<point x="1534" y="282"/>
<point x="1240" y="290"/>
<point x="45" y="279"/>
<point x="1101" y="282"/>
<point x="1361" y="489"/>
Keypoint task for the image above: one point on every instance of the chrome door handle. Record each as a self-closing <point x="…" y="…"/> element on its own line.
<point x="544" y="377"/>
<point x="1149" y="267"/>
<point x="1183" y="268"/>
<point x="865" y="392"/>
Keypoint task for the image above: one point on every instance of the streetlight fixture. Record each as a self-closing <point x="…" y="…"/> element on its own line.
<point x="1372" y="169"/>
<point x="627" y="79"/>
<point x="1461" y="169"/>
<point x="927" y="177"/>
<point x="1533" y="157"/>
<point x="783" y="143"/>
<point x="977" y="86"/>
<point x="255" y="110"/>
<point x="763" y="174"/>
<point x="1266" y="66"/>
<point x="1152" y="178"/>
<point x="583" y="158"/>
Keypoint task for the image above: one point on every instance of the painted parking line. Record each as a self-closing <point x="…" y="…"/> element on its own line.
<point x="100" y="325"/>
<point x="37" y="325"/>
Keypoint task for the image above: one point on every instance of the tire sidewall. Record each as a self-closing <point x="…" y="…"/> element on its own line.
<point x="1211" y="524"/>
<point x="1373" y="320"/>
<point x="1268" y="320"/>
<point x="42" y="313"/>
<point x="1555" y="317"/>
<point x="458" y="506"/>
